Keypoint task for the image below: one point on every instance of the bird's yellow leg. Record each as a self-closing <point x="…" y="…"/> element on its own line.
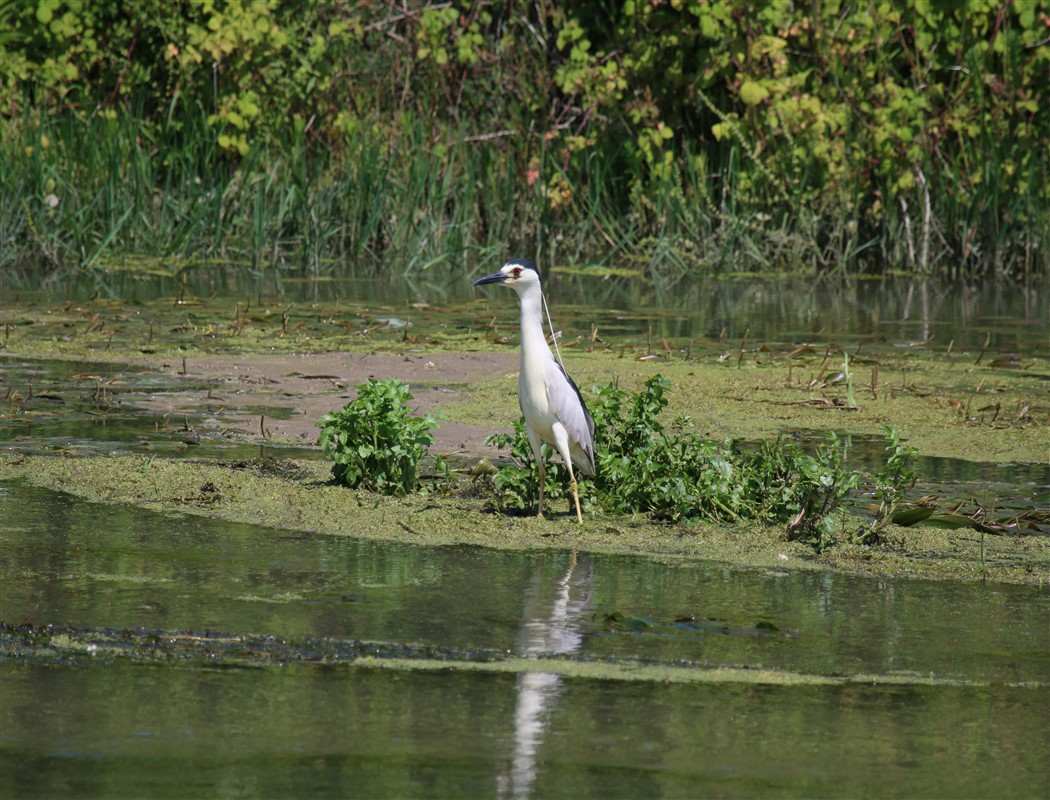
<point x="541" y="474"/>
<point x="575" y="495"/>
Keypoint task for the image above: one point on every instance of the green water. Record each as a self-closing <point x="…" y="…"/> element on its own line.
<point x="151" y="655"/>
<point x="1016" y="319"/>
<point x="955" y="703"/>
<point x="132" y="731"/>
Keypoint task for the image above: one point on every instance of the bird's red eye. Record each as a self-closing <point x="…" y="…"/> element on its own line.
<point x="517" y="272"/>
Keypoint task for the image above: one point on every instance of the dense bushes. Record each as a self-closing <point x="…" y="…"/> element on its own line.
<point x="675" y="135"/>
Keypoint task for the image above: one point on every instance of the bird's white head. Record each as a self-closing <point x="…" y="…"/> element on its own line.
<point x="518" y="273"/>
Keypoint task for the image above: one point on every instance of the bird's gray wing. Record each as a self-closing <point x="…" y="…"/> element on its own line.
<point x="567" y="404"/>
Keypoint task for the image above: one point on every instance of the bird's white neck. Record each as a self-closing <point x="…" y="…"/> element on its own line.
<point x="533" y="340"/>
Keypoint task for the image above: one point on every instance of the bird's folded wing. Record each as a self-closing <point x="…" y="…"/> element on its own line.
<point x="568" y="406"/>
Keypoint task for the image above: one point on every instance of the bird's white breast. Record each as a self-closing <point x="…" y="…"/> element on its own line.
<point x="532" y="392"/>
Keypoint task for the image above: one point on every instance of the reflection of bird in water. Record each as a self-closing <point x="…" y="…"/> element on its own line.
<point x="551" y="627"/>
<point x="553" y="408"/>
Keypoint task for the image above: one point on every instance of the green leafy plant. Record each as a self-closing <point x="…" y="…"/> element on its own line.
<point x="374" y="441"/>
<point x="825" y="485"/>
<point x="642" y="467"/>
<point x="516" y="487"/>
<point x="892" y="483"/>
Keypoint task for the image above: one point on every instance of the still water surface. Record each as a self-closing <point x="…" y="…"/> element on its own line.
<point x="956" y="703"/>
<point x="1015" y="319"/>
<point x="138" y="724"/>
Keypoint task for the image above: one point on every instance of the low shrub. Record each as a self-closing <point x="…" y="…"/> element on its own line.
<point x="673" y="474"/>
<point x="374" y="441"/>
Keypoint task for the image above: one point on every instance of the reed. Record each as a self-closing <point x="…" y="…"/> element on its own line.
<point x="117" y="191"/>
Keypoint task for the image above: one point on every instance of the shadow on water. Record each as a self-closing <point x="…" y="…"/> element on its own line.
<point x="192" y="656"/>
<point x="550" y="625"/>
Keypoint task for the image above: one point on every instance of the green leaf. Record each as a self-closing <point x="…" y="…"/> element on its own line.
<point x="911" y="516"/>
<point x="752" y="93"/>
<point x="45" y="10"/>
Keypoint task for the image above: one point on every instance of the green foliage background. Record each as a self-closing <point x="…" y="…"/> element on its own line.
<point x="673" y="135"/>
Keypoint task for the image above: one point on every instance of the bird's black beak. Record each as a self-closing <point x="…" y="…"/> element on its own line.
<point x="495" y="277"/>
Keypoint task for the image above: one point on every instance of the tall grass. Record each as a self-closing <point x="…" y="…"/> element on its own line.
<point x="113" y="192"/>
<point x="103" y="192"/>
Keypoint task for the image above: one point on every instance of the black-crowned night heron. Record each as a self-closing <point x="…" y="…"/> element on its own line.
<point x="553" y="408"/>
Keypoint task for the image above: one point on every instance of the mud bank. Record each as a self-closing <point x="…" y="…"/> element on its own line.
<point x="298" y="495"/>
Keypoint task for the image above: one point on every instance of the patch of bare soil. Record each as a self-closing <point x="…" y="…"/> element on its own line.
<point x="282" y="396"/>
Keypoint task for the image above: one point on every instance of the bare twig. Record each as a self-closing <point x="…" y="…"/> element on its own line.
<point x="485" y="137"/>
